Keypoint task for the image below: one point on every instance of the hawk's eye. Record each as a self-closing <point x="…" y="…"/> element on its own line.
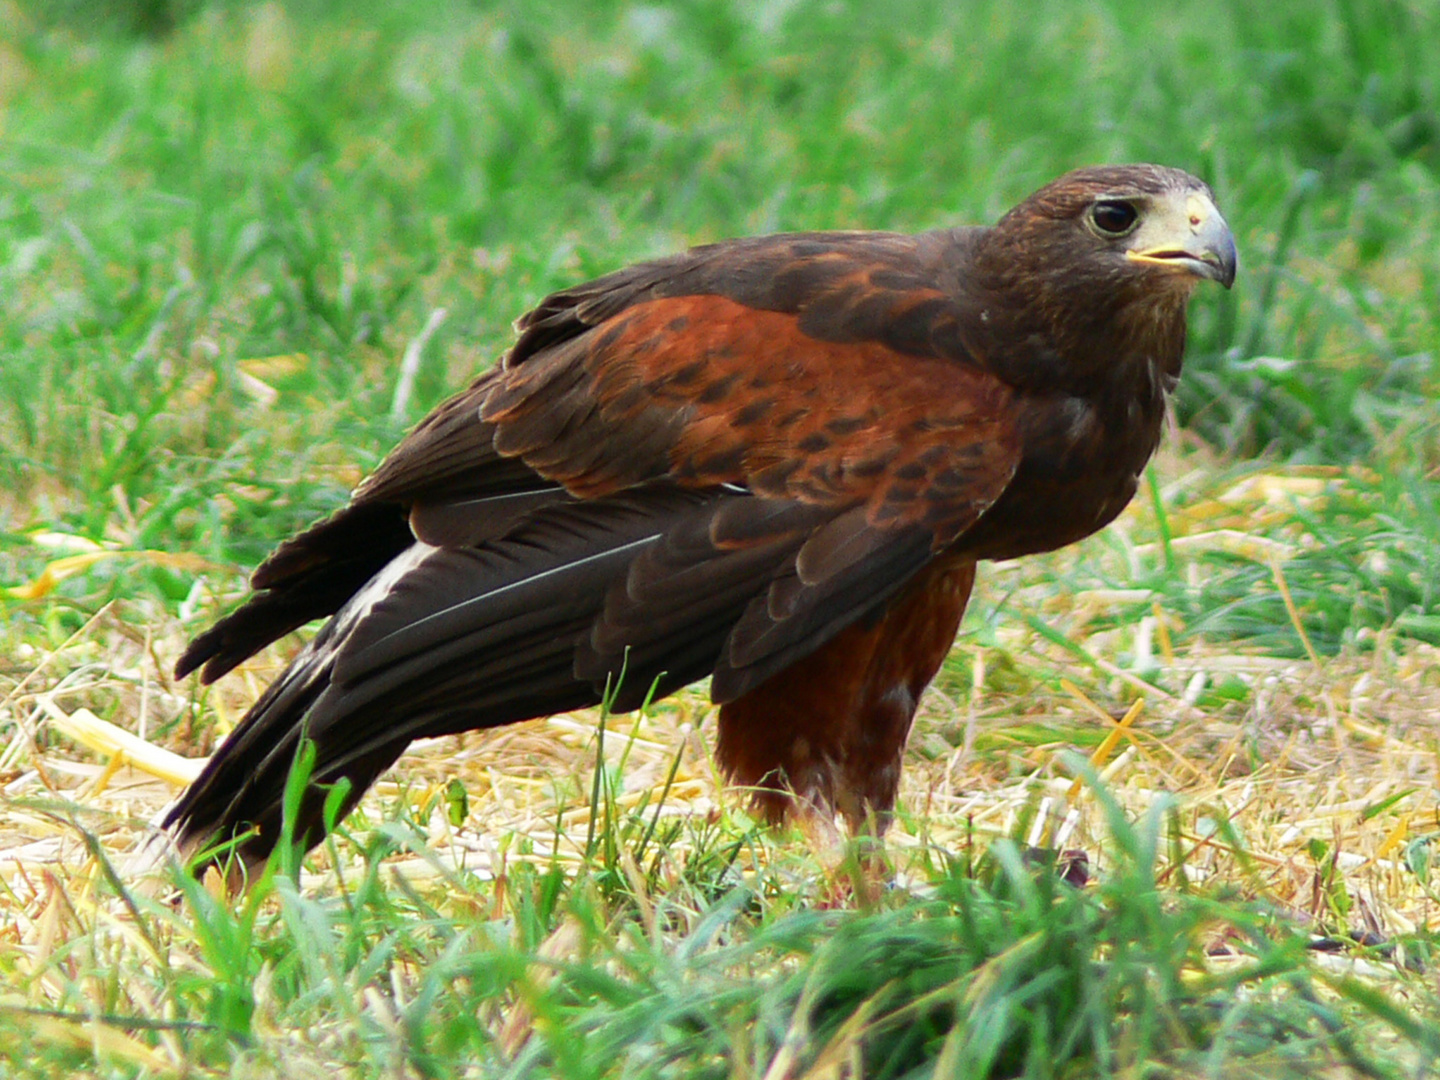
<point x="1113" y="217"/>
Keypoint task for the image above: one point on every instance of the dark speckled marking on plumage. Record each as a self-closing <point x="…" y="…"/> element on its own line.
<point x="717" y="390"/>
<point x="866" y="468"/>
<point x="688" y="375"/>
<point x="755" y="411"/>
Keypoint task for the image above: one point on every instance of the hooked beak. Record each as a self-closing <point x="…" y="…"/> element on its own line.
<point x="1201" y="244"/>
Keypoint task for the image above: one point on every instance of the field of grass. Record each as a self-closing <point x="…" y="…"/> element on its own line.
<point x="222" y="226"/>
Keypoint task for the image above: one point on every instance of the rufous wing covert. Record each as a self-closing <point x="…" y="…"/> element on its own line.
<point x="773" y="462"/>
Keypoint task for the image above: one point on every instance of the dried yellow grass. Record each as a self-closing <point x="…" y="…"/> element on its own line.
<point x="1320" y="742"/>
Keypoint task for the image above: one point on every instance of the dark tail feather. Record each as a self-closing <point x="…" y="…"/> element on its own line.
<point x="440" y="641"/>
<point x="309" y="577"/>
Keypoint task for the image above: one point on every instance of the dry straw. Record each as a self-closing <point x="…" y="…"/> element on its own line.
<point x="1324" y="771"/>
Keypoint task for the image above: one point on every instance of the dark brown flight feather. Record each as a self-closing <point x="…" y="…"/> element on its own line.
<point x="772" y="461"/>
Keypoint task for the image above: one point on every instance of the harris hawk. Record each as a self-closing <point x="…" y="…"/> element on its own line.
<point x="773" y="462"/>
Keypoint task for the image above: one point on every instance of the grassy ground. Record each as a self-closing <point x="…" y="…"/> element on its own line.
<point x="222" y="225"/>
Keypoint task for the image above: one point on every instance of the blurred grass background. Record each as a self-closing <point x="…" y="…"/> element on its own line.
<point x="222" y="224"/>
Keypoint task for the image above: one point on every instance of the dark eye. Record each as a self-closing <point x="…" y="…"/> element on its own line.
<point x="1113" y="218"/>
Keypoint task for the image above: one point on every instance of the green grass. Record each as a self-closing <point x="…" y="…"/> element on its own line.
<point x="996" y="967"/>
<point x="222" y="223"/>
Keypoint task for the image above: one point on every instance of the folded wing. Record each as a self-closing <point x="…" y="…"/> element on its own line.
<point x="681" y="470"/>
